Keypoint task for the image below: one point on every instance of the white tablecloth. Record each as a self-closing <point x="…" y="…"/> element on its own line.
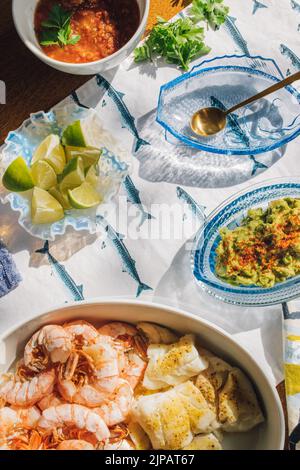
<point x="163" y="262"/>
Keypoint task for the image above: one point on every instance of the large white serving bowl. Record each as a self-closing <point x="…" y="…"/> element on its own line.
<point x="269" y="435"/>
<point x="23" y="16"/>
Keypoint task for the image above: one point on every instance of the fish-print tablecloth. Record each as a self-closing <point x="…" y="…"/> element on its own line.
<point x="153" y="258"/>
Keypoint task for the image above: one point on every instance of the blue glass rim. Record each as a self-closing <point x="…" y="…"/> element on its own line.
<point x="238" y="56"/>
<point x="197" y="253"/>
<point x="193" y="73"/>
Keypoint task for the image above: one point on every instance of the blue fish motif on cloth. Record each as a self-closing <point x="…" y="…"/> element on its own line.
<point x="257" y="5"/>
<point x="77" y="101"/>
<point x="256" y="165"/>
<point x="126" y="117"/>
<point x="236" y="35"/>
<point x="133" y="196"/>
<point x="295" y="6"/>
<point x="232" y="121"/>
<point x="287" y="52"/>
<point x="75" y="290"/>
<point x="9" y="275"/>
<point x="236" y="128"/>
<point x="196" y="209"/>
<point x="127" y="260"/>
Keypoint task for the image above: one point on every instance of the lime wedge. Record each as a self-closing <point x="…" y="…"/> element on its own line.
<point x="51" y="150"/>
<point x="89" y="155"/>
<point x="92" y="175"/>
<point x="61" y="197"/>
<point x="17" y="176"/>
<point x="45" y="209"/>
<point x="73" y="135"/>
<point x="73" y="174"/>
<point x="84" y="133"/>
<point x="84" y="197"/>
<point x="43" y="175"/>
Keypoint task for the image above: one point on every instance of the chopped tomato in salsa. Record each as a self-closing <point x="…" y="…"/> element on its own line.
<point x="104" y="27"/>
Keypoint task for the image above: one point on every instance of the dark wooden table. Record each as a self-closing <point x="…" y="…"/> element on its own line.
<point x="33" y="86"/>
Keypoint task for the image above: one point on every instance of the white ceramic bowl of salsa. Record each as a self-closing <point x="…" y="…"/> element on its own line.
<point x="269" y="435"/>
<point x="24" y="20"/>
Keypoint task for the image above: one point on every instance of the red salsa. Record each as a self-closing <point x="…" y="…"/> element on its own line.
<point x="104" y="26"/>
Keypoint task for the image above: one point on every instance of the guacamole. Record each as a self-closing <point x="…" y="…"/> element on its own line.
<point x="264" y="249"/>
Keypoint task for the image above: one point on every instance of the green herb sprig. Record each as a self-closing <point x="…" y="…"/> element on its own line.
<point x="214" y="12"/>
<point x="177" y="42"/>
<point x="181" y="41"/>
<point x="57" y="28"/>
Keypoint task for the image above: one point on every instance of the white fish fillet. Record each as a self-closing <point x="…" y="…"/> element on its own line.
<point x="204" y="442"/>
<point x="230" y="395"/>
<point x="239" y="410"/>
<point x="138" y="436"/>
<point x="172" y="418"/>
<point x="172" y="364"/>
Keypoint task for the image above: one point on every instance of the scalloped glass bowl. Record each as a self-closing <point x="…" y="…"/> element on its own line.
<point x="223" y="82"/>
<point x="27" y="137"/>
<point x="230" y="214"/>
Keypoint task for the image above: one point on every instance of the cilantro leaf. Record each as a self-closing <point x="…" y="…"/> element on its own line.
<point x="57" y="28"/>
<point x="49" y="43"/>
<point x="57" y="18"/>
<point x="214" y="12"/>
<point x="48" y="38"/>
<point x="182" y="41"/>
<point x="178" y="42"/>
<point x="74" y="39"/>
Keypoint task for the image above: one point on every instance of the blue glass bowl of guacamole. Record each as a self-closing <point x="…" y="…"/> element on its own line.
<point x="248" y="251"/>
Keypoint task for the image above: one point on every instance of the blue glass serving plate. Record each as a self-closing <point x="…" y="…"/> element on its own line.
<point x="230" y="214"/>
<point x="24" y="140"/>
<point x="223" y="82"/>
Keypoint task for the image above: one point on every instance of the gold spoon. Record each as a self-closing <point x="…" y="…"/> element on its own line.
<point x="209" y="121"/>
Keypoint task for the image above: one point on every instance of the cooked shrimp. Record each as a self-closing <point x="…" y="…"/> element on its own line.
<point x="16" y="428"/>
<point x="50" y="342"/>
<point x="8" y="419"/>
<point x="124" y="444"/>
<point x="118" y="330"/>
<point x="105" y="356"/>
<point x="28" y="392"/>
<point x="75" y="444"/>
<point x="117" y="406"/>
<point x="82" y="333"/>
<point x="25" y="439"/>
<point x="118" y="440"/>
<point x="28" y="417"/>
<point x="90" y="395"/>
<point x="74" y="415"/>
<point x="50" y="400"/>
<point x="90" y="375"/>
<point x="134" y="368"/>
<point x="134" y="347"/>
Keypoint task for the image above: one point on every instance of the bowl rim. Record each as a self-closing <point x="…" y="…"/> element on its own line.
<point x="174" y="311"/>
<point x="220" y="292"/>
<point x="77" y="66"/>
<point x="194" y="72"/>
